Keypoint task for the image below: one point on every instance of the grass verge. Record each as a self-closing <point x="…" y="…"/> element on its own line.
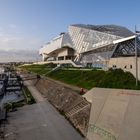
<point x="88" y="79"/>
<point x="28" y="96"/>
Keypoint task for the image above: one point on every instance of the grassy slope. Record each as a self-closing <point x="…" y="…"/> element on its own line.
<point x="40" y="69"/>
<point x="28" y="96"/>
<point x="97" y="78"/>
<point x="88" y="79"/>
<point x="85" y="79"/>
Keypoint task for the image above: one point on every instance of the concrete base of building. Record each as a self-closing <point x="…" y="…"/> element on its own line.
<point x="126" y="64"/>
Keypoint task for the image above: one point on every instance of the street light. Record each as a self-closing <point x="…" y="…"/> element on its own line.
<point x="137" y="33"/>
<point x="83" y="57"/>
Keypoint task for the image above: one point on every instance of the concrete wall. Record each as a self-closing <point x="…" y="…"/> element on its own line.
<point x="64" y="52"/>
<point x="114" y="114"/>
<point x="126" y="63"/>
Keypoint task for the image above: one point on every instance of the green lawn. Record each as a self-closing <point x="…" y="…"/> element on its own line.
<point x="89" y="79"/>
<point x="97" y="78"/>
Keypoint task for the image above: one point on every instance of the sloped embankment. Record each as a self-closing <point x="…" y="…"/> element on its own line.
<point x="67" y="101"/>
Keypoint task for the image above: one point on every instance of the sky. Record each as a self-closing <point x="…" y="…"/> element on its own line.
<point x="25" y="25"/>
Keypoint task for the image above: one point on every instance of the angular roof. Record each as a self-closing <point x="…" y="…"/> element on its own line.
<point x="109" y="29"/>
<point x="63" y="40"/>
<point x="118" y="48"/>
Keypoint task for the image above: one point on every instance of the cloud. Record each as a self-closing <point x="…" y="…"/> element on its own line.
<point x="14" y="46"/>
<point x="16" y="42"/>
<point x="1" y="29"/>
<point x="7" y="42"/>
<point x="34" y="27"/>
<point x="19" y="55"/>
<point x="19" y="49"/>
<point x="12" y="26"/>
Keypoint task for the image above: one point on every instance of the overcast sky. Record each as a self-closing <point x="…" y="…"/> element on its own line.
<point x="28" y="24"/>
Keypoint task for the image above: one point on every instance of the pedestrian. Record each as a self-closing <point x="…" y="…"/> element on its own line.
<point x="82" y="91"/>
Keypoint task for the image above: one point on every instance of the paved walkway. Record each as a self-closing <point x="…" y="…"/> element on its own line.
<point x="35" y="93"/>
<point x="40" y="121"/>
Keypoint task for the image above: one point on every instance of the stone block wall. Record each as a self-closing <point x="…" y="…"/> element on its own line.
<point x="68" y="101"/>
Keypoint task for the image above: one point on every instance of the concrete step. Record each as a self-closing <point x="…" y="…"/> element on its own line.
<point x="76" y="108"/>
<point x="72" y="113"/>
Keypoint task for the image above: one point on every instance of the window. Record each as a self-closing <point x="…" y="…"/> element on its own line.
<point x="114" y="66"/>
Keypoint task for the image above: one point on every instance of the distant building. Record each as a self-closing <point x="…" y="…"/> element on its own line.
<point x="93" y="46"/>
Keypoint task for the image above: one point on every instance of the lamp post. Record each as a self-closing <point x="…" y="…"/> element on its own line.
<point x="137" y="33"/>
<point x="136" y="60"/>
<point x="85" y="57"/>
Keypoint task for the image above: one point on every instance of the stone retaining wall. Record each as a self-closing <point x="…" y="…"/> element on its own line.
<point x="67" y="101"/>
